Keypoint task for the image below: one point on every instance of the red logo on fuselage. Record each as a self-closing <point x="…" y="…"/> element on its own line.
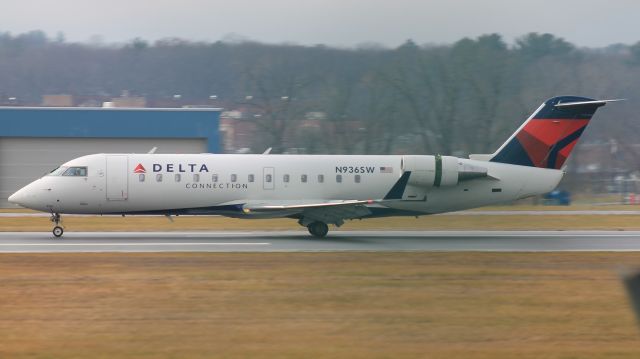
<point x="139" y="169"/>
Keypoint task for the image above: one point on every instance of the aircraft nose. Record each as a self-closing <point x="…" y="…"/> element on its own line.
<point x="32" y="196"/>
<point x="18" y="197"/>
<point x="26" y="197"/>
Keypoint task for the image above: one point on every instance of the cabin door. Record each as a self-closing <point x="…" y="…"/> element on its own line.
<point x="117" y="179"/>
<point x="268" y="178"/>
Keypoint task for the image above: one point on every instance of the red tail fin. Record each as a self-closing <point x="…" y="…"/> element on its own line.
<point x="547" y="137"/>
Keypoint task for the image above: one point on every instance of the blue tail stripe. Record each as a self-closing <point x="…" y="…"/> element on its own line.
<point x="513" y="153"/>
<point x="553" y="154"/>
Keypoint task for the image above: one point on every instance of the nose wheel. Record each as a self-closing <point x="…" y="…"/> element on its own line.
<point x="57" y="230"/>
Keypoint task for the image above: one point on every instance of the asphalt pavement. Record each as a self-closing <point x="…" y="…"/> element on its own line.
<point x="300" y="241"/>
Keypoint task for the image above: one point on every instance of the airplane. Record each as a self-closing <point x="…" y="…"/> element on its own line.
<point x="316" y="190"/>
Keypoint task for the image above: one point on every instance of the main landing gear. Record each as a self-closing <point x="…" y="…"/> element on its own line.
<point x="318" y="229"/>
<point x="57" y="230"/>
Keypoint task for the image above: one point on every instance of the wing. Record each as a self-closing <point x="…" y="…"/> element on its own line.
<point x="330" y="212"/>
<point x="321" y="210"/>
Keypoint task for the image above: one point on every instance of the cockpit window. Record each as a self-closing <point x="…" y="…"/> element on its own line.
<point x="76" y="172"/>
<point x="58" y="171"/>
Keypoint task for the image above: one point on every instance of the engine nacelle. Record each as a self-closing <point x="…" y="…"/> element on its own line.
<point x="439" y="171"/>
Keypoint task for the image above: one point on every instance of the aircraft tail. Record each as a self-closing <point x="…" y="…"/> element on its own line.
<point x="547" y="137"/>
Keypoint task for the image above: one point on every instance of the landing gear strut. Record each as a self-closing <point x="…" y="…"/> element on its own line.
<point x="57" y="230"/>
<point x="318" y="229"/>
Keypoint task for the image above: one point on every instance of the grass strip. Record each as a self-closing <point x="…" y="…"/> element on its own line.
<point x="321" y="305"/>
<point x="440" y="222"/>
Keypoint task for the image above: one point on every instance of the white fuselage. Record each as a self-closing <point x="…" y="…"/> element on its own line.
<point x="219" y="184"/>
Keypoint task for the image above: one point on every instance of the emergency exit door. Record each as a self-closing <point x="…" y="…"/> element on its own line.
<point x="268" y="178"/>
<point x="117" y="183"/>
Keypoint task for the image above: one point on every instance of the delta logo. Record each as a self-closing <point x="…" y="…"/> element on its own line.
<point x="139" y="169"/>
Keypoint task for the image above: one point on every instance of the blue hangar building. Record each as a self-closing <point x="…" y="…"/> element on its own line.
<point x="36" y="140"/>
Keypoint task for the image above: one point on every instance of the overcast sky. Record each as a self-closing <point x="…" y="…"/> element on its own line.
<point x="330" y="22"/>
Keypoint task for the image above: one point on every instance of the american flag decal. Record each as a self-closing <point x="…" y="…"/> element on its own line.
<point x="386" y="169"/>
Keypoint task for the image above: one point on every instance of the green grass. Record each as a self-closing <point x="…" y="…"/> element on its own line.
<point x="321" y="305"/>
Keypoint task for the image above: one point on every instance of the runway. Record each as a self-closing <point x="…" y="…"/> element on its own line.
<point x="300" y="241"/>
<point x="591" y="212"/>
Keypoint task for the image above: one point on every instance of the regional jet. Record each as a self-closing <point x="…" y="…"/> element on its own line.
<point x="316" y="190"/>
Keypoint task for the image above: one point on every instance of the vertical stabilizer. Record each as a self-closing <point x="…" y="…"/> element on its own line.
<point x="548" y="136"/>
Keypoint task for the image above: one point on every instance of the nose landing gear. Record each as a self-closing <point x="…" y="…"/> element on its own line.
<point x="57" y="230"/>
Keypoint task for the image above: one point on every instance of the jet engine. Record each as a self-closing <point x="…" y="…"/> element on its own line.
<point x="439" y="171"/>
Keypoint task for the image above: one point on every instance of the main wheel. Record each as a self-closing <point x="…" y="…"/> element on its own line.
<point x="318" y="229"/>
<point x="58" y="231"/>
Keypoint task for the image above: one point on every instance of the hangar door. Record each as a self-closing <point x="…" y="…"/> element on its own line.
<point x="25" y="159"/>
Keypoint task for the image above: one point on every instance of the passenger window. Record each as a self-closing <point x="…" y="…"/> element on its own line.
<point x="196" y="177"/>
<point x="285" y="178"/>
<point x="178" y="177"/>
<point x="234" y="177"/>
<point x="214" y="178"/>
<point x="251" y="178"/>
<point x="320" y="178"/>
<point x="357" y="178"/>
<point x="303" y="178"/>
<point x="339" y="178"/>
<point x="159" y="177"/>
<point x="141" y="177"/>
<point x="268" y="178"/>
<point x="76" y="172"/>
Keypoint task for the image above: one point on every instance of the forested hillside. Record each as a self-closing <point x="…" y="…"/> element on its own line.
<point x="459" y="98"/>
